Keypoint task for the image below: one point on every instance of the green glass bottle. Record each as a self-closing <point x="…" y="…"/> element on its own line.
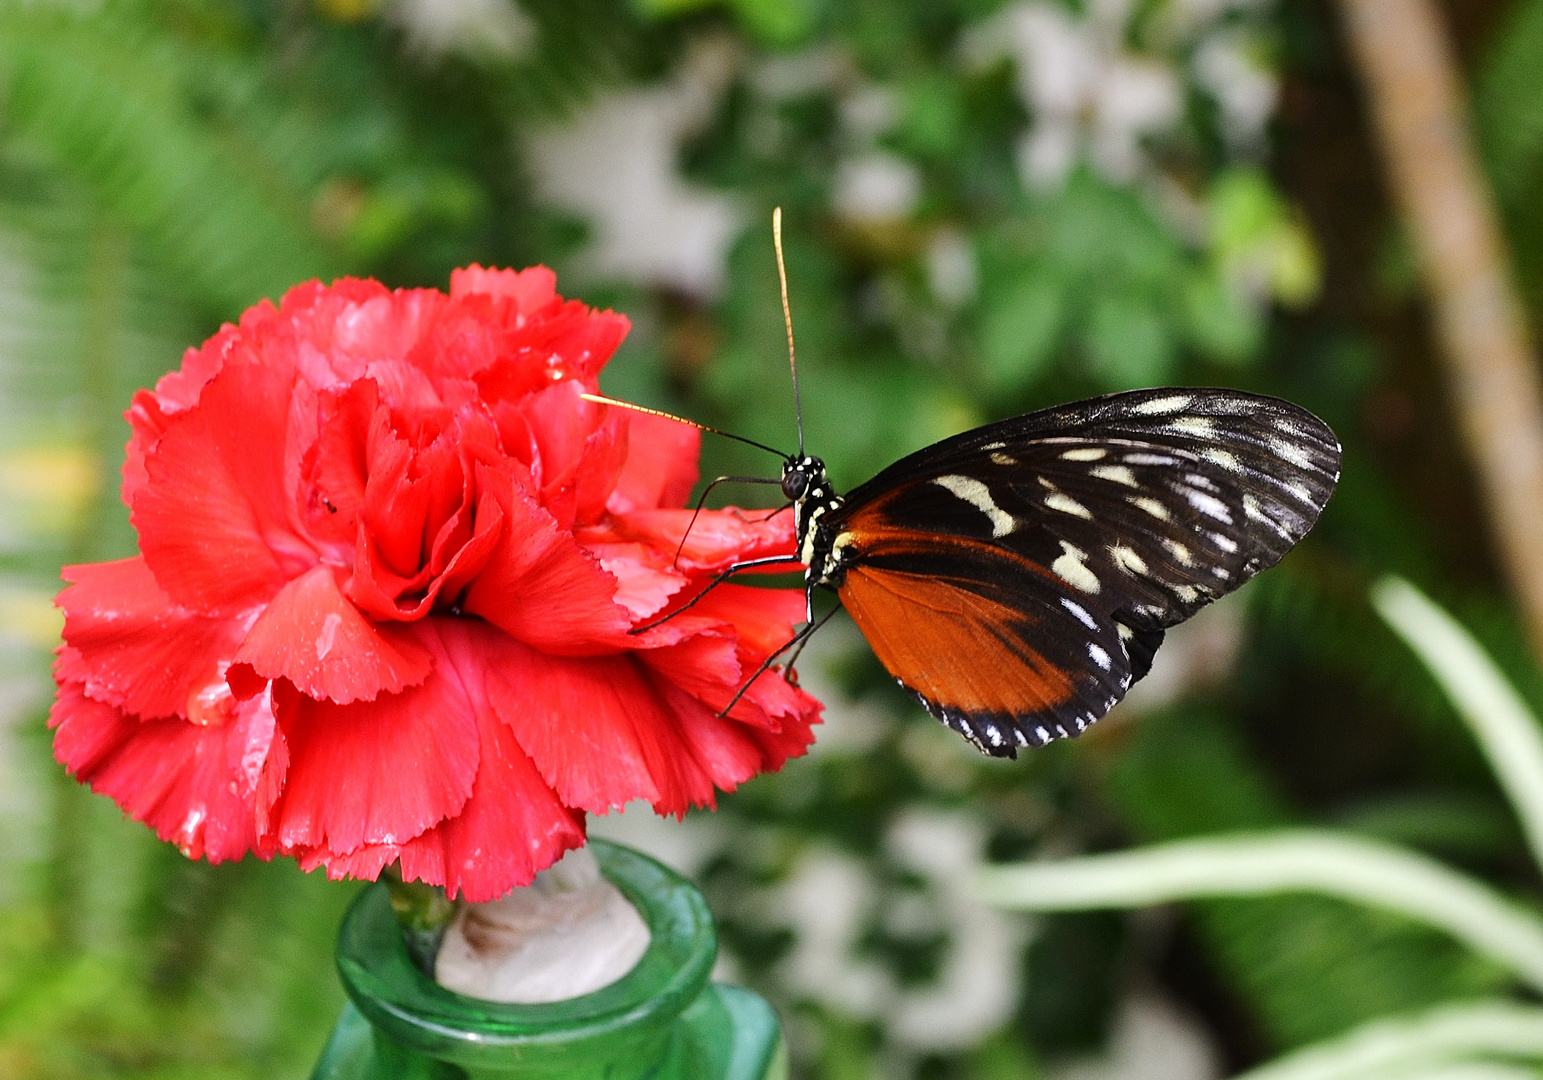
<point x="663" y="1020"/>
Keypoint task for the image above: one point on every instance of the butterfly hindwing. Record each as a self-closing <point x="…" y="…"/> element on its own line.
<point x="992" y="647"/>
<point x="1136" y="508"/>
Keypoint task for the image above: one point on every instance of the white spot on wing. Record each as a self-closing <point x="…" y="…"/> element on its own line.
<point x="1098" y="655"/>
<point x="1127" y="559"/>
<point x="977" y="495"/>
<point x="1179" y="552"/>
<point x="1117" y="474"/>
<point x="1149" y="459"/>
<point x="1072" y="570"/>
<point x="1084" y="453"/>
<point x="1252" y="508"/>
<point x="1209" y="505"/>
<point x="1287" y="450"/>
<point x="1163" y="405"/>
<point x="1002" y="459"/>
<point x="1151" y="506"/>
<point x="1067" y="505"/>
<point x="1301" y="492"/>
<point x="1079" y="612"/>
<point x="1199" y="426"/>
<point x="1222" y="458"/>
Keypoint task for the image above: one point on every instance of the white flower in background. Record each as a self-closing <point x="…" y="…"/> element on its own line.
<point x="872" y="185"/>
<point x="828" y="900"/>
<point x="977" y="989"/>
<point x="868" y="110"/>
<point x="614" y="164"/>
<point x="1228" y="67"/>
<point x="782" y="76"/>
<point x="831" y="898"/>
<point x="1151" y="1040"/>
<point x="497" y="29"/>
<point x="875" y="186"/>
<point x="1086" y="92"/>
<point x="952" y="273"/>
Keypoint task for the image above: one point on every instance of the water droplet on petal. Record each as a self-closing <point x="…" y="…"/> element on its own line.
<point x="190" y="836"/>
<point x="212" y="704"/>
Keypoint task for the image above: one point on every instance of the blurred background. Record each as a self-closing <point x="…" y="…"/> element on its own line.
<point x="990" y="207"/>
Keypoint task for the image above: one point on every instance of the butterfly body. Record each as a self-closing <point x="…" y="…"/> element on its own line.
<point x="1017" y="579"/>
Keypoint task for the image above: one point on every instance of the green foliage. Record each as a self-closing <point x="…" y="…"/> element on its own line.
<point x="1312" y="967"/>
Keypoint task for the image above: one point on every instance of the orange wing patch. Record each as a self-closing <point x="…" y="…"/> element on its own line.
<point x="958" y="650"/>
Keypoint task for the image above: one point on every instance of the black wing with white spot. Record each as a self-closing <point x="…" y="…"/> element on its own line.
<point x="1134" y="509"/>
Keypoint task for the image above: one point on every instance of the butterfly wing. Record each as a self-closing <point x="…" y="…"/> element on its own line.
<point x="994" y="572"/>
<point x="978" y="634"/>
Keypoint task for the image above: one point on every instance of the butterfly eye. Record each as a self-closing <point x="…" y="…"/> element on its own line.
<point x="794" y="484"/>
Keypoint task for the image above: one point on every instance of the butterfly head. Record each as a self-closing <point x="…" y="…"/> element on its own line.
<point x="803" y="478"/>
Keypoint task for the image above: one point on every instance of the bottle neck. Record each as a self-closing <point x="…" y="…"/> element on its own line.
<point x="624" y="1031"/>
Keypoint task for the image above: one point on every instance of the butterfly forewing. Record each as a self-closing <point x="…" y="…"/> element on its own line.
<point x="1092" y="525"/>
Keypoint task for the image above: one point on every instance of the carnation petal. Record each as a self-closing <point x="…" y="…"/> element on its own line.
<point x="213" y="516"/>
<point x="379" y="772"/>
<point x="600" y="731"/>
<point x="716" y="540"/>
<point x="763" y="619"/>
<point x="313" y="635"/>
<point x="644" y="581"/>
<point x="584" y="722"/>
<point x="541" y="587"/>
<point x="721" y="748"/>
<point x="175" y="776"/>
<point x="661" y="466"/>
<point x="127" y="644"/>
<point x="514" y="825"/>
<point x="530" y="290"/>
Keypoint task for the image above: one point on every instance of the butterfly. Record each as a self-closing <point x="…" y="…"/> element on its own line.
<point x="1018" y="578"/>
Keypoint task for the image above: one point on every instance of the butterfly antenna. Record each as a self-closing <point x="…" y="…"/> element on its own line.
<point x="599" y="400"/>
<point x="787" y="320"/>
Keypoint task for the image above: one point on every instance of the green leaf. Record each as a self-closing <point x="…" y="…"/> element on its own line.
<point x="1020" y="328"/>
<point x="1223" y="325"/>
<point x="1311" y="967"/>
<point x="1129" y="342"/>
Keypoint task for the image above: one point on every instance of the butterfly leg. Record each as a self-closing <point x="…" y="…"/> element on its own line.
<point x="703" y="500"/>
<point x="766" y="517"/>
<point x="796" y="643"/>
<point x="770" y="560"/>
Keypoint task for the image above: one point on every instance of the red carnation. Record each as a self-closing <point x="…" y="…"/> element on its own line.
<point x="390" y="562"/>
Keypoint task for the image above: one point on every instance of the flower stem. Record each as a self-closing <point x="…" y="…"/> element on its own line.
<point x="1352" y="868"/>
<point x="424" y="912"/>
<point x="1505" y="728"/>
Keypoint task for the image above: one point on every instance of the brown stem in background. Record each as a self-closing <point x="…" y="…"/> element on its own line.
<point x="1421" y="120"/>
